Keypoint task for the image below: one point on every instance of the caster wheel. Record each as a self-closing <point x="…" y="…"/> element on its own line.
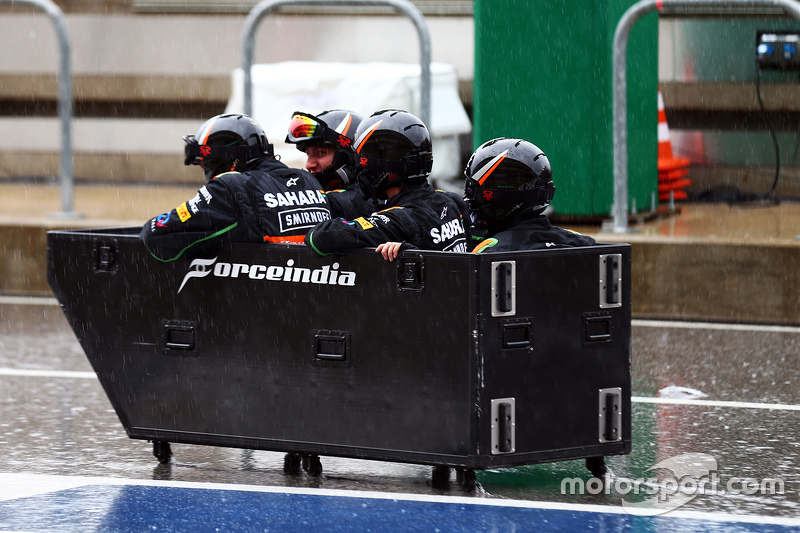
<point x="312" y="465"/>
<point x="597" y="466"/>
<point x="466" y="479"/>
<point x="440" y="476"/>
<point x="162" y="451"/>
<point x="291" y="463"/>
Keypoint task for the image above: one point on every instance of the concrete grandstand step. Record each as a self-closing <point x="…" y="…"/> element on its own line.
<point x="131" y="150"/>
<point x="115" y="94"/>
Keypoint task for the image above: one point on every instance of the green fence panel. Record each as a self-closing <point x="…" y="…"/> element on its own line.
<point x="543" y="73"/>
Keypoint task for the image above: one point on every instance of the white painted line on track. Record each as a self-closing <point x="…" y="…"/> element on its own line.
<point x="31" y="373"/>
<point x="28" y="300"/>
<point x="717" y="403"/>
<point x="20" y="485"/>
<point x="713" y="325"/>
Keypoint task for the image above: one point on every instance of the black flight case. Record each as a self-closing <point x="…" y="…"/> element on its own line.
<point x="447" y="359"/>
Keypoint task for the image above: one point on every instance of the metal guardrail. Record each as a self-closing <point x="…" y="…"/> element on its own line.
<point x="64" y="99"/>
<point x="619" y="82"/>
<point x="265" y="7"/>
<point x="447" y="8"/>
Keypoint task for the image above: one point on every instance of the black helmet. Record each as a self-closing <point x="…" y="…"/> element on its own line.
<point x="507" y="179"/>
<point x="335" y="128"/>
<point x="225" y="140"/>
<point x="392" y="147"/>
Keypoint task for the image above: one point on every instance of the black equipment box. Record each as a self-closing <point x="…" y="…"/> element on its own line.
<point x="466" y="360"/>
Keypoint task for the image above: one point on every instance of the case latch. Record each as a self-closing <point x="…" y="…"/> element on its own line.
<point x="610" y="414"/>
<point x="331" y="348"/>
<point x="105" y="256"/>
<point x="411" y="273"/>
<point x="597" y="328"/>
<point x="504" y="429"/>
<point x="610" y="280"/>
<point x="180" y="337"/>
<point x="504" y="288"/>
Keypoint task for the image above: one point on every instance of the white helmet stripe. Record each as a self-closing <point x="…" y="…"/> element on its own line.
<point x="205" y="133"/>
<point x="366" y="135"/>
<point x="483" y="173"/>
<point x="344" y="124"/>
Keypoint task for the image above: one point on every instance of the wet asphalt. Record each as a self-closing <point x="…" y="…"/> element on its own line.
<point x="729" y="392"/>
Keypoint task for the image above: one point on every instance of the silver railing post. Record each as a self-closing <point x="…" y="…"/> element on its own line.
<point x="619" y="82"/>
<point x="64" y="99"/>
<point x="265" y="7"/>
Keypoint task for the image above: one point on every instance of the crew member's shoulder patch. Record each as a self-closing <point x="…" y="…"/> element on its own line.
<point x="486" y="243"/>
<point x="364" y="223"/>
<point x="183" y="212"/>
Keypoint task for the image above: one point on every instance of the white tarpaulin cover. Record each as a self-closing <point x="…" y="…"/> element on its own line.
<point x="279" y="89"/>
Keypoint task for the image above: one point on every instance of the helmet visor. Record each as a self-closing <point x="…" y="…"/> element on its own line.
<point x="386" y="145"/>
<point x="304" y="127"/>
<point x="195" y="153"/>
<point x="191" y="151"/>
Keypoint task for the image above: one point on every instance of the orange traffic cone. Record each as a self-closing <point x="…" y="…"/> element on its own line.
<point x="666" y="160"/>
<point x="670" y="175"/>
<point x="676" y="195"/>
<point x="673" y="185"/>
<point x="672" y="171"/>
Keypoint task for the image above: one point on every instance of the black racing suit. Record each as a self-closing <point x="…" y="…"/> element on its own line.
<point x="419" y="216"/>
<point x="269" y="202"/>
<point x="349" y="203"/>
<point x="345" y="198"/>
<point x="532" y="234"/>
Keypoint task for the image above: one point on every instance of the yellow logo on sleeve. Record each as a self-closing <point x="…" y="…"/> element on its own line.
<point x="364" y="223"/>
<point x="183" y="212"/>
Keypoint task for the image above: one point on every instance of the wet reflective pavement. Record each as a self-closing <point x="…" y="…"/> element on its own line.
<point x="726" y="393"/>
